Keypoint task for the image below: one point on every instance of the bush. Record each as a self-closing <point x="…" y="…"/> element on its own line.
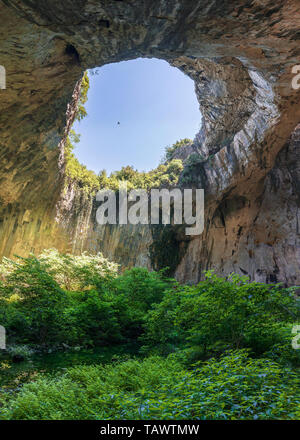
<point x="164" y="175"/>
<point x="31" y="304"/>
<point x="170" y="151"/>
<point x="76" y="300"/>
<point x="234" y="387"/>
<point x="221" y="314"/>
<point x="58" y="299"/>
<point x="135" y="292"/>
<point x="80" y="272"/>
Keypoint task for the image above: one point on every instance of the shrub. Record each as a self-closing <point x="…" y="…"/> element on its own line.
<point x="58" y="298"/>
<point x="170" y="151"/>
<point x="163" y="175"/>
<point x="219" y="314"/>
<point x="70" y="272"/>
<point x="135" y="292"/>
<point x="234" y="387"/>
<point x="77" y="272"/>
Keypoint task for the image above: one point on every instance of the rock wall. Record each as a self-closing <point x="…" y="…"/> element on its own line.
<point x="240" y="55"/>
<point x="258" y="235"/>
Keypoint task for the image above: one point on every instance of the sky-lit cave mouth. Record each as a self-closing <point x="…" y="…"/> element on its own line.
<point x="135" y="110"/>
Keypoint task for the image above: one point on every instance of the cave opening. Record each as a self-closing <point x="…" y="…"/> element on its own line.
<point x="135" y="110"/>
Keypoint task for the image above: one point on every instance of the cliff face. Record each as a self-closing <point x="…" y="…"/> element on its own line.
<point x="240" y="55"/>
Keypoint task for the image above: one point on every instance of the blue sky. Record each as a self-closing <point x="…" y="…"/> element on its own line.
<point x="155" y="104"/>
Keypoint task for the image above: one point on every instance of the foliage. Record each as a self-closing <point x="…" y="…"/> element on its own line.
<point x="194" y="159"/>
<point x="136" y="290"/>
<point x="85" y="85"/>
<point x="237" y="332"/>
<point x="170" y="151"/>
<point x="141" y="287"/>
<point x="163" y="176"/>
<point x="85" y="179"/>
<point x="57" y="298"/>
<point x="77" y="272"/>
<point x="71" y="272"/>
<point x="75" y="171"/>
<point x="219" y="314"/>
<point x="166" y="251"/>
<point x="234" y="387"/>
<point x="192" y="169"/>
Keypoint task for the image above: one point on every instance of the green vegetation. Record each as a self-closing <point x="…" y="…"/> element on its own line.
<point x="192" y="170"/>
<point x="76" y="172"/>
<point x="218" y="350"/>
<point x="219" y="314"/>
<point x="165" y="175"/>
<point x="165" y="250"/>
<point x="170" y="151"/>
<point x="57" y="299"/>
<point x="233" y="387"/>
<point x="85" y="85"/>
<point x="86" y="179"/>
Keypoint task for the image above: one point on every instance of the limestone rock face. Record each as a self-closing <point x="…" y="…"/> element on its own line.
<point x="240" y="55"/>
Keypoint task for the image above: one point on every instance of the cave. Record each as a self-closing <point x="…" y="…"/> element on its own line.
<point x="241" y="57"/>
